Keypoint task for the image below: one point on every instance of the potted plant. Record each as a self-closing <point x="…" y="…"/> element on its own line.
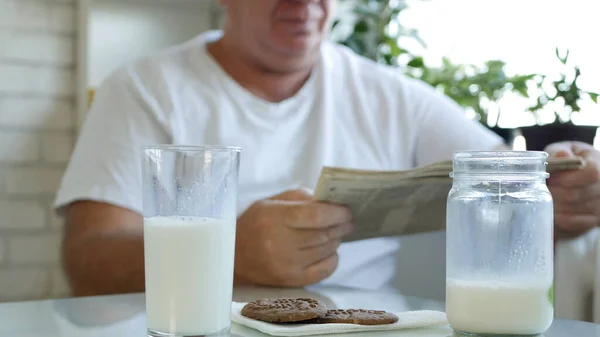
<point x="565" y="96"/>
<point x="372" y="28"/>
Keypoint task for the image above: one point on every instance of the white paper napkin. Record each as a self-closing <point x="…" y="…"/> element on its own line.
<point x="406" y="320"/>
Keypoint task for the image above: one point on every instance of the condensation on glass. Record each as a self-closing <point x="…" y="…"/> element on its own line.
<point x="190" y="197"/>
<point x="499" y="258"/>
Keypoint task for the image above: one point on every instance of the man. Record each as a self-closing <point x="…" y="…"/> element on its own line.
<point x="270" y="84"/>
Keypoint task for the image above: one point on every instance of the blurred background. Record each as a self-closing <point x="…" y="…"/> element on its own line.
<point x="526" y="69"/>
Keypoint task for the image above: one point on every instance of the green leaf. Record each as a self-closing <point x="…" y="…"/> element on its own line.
<point x="446" y="62"/>
<point x="335" y="23"/>
<point x="594" y="96"/>
<point x="356" y="45"/>
<point x="361" y="26"/>
<point x="551" y="294"/>
<point x="388" y="59"/>
<point x="521" y="88"/>
<point x="495" y="66"/>
<point x="416" y="62"/>
<point x="564" y="59"/>
<point x="524" y="78"/>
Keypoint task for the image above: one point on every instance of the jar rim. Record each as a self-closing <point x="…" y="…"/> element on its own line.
<point x="503" y="176"/>
<point x="500" y="165"/>
<point x="500" y="154"/>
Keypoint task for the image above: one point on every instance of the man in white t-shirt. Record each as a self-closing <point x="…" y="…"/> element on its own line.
<point x="270" y="84"/>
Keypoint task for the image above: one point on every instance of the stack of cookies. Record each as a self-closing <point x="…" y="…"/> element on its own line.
<point x="312" y="311"/>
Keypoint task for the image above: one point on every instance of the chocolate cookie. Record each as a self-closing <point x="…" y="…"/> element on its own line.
<point x="358" y="316"/>
<point x="284" y="310"/>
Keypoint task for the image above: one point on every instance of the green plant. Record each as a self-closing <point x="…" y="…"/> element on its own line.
<point x="375" y="32"/>
<point x="564" y="91"/>
<point x="474" y="87"/>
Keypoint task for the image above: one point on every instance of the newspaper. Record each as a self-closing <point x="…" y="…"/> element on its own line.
<point x="392" y="203"/>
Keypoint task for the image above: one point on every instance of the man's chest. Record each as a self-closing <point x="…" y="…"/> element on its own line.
<point x="285" y="146"/>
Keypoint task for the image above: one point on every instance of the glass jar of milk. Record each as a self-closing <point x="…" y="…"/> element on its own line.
<point x="499" y="258"/>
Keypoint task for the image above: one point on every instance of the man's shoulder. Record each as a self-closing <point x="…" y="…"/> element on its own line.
<point x="153" y="82"/>
<point x="358" y="70"/>
<point x="343" y="58"/>
<point x="169" y="63"/>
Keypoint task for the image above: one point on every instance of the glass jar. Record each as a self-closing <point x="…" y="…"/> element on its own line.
<point x="499" y="244"/>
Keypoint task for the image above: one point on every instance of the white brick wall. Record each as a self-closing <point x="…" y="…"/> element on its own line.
<point x="32" y="79"/>
<point x="22" y="215"/>
<point x="32" y="181"/>
<point x="2" y="251"/>
<point x="37" y="128"/>
<point x="33" y="47"/>
<point x="24" y="283"/>
<point x="30" y="248"/>
<point x="37" y="113"/>
<point x="37" y="121"/>
<point x="19" y="147"/>
<point x="58" y="284"/>
<point x="54" y="17"/>
<point x="57" y="147"/>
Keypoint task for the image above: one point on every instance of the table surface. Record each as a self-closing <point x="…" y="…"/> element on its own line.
<point x="123" y="315"/>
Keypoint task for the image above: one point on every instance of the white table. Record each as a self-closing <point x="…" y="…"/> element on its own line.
<point x="124" y="315"/>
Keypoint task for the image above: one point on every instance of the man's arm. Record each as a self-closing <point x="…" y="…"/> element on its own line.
<point x="103" y="249"/>
<point x="103" y="243"/>
<point x="288" y="240"/>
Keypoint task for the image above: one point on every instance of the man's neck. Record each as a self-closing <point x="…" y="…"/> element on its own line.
<point x="270" y="86"/>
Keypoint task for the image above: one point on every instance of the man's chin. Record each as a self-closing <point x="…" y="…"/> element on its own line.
<point x="298" y="46"/>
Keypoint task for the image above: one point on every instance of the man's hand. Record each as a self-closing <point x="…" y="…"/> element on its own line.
<point x="289" y="240"/>
<point x="576" y="193"/>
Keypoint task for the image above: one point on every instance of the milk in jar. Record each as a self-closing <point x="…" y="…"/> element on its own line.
<point x="494" y="307"/>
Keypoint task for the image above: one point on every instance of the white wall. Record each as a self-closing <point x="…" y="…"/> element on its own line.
<point x="37" y="123"/>
<point x="120" y="32"/>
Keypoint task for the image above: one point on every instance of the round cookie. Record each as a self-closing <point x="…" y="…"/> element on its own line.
<point x="358" y="316"/>
<point x="284" y="310"/>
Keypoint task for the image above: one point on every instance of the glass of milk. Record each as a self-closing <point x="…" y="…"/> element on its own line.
<point x="190" y="196"/>
<point x="499" y="242"/>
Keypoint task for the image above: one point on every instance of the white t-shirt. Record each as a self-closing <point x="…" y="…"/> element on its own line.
<point x="351" y="112"/>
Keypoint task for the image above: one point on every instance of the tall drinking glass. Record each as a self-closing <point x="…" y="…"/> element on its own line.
<point x="190" y="201"/>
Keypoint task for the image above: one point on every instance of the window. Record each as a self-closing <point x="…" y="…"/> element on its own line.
<point x="523" y="33"/>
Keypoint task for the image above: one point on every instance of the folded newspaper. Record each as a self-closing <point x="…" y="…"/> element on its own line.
<point x="392" y="203"/>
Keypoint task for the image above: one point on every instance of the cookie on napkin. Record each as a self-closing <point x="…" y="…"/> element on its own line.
<point x="357" y="316"/>
<point x="284" y="310"/>
<point x="421" y="319"/>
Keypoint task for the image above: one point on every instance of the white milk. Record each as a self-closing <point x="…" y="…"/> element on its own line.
<point x="499" y="308"/>
<point x="189" y="274"/>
